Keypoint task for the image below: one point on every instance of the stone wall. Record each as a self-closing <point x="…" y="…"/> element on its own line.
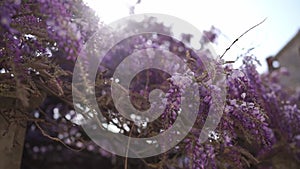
<point x="289" y="57"/>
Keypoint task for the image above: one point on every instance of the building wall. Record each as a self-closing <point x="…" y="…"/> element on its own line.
<point x="289" y="57"/>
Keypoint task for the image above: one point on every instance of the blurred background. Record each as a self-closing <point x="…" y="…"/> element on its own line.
<point x="232" y="18"/>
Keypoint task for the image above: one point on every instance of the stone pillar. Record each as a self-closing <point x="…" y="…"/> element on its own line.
<point x="11" y="145"/>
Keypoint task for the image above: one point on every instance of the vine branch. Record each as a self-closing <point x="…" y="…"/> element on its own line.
<point x="241" y="37"/>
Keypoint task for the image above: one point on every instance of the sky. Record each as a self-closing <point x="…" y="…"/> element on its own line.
<point x="232" y="17"/>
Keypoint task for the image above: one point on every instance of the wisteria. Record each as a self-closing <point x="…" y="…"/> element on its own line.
<point x="40" y="42"/>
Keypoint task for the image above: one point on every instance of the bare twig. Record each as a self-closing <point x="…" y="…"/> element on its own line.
<point x="127" y="148"/>
<point x="55" y="138"/>
<point x="241" y="36"/>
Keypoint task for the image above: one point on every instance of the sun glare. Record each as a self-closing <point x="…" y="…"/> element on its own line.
<point x="110" y="10"/>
